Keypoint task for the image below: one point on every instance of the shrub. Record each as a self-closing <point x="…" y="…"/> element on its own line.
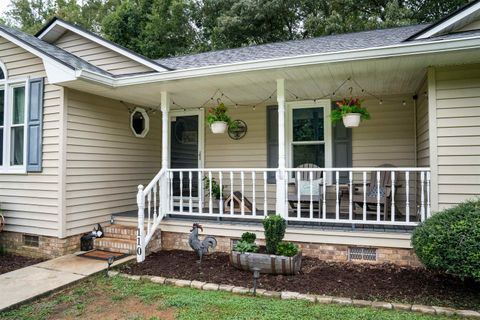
<point x="274" y="227"/>
<point x="449" y="241"/>
<point x="287" y="249"/>
<point x="249" y="237"/>
<point x="244" y="246"/>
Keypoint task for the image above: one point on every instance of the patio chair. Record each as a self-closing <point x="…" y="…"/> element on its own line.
<point x="384" y="188"/>
<point x="317" y="183"/>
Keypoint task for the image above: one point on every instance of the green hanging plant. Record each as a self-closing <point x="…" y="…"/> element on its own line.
<point x="347" y="106"/>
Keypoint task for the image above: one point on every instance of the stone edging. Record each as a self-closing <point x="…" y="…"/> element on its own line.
<point x="288" y="295"/>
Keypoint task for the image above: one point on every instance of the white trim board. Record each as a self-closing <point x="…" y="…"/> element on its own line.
<point x="58" y="27"/>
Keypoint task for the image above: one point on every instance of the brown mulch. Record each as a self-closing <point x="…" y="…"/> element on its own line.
<point x="358" y="281"/>
<point x="10" y="262"/>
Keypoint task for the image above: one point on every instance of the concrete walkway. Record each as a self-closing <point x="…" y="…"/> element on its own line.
<point x="25" y="284"/>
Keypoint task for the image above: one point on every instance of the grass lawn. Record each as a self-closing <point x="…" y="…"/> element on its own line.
<point x="120" y="298"/>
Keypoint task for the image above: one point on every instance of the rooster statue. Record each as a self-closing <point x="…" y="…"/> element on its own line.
<point x="200" y="246"/>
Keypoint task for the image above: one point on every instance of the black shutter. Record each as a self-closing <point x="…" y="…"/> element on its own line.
<point x="272" y="141"/>
<point x="342" y="149"/>
<point x="34" y="128"/>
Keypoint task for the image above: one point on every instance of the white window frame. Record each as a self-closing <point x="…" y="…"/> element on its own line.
<point x="8" y="85"/>
<point x="327" y="126"/>
<point x="146" y="117"/>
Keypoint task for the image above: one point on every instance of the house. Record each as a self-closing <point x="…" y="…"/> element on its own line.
<point x="84" y="122"/>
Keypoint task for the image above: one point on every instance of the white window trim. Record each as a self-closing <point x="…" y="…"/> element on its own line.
<point x="146" y="117"/>
<point x="8" y="86"/>
<point x="326" y="105"/>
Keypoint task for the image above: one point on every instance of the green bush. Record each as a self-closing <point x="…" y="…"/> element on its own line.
<point x="244" y="246"/>
<point x="449" y="241"/>
<point x="274" y="227"/>
<point x="249" y="237"/>
<point x="287" y="249"/>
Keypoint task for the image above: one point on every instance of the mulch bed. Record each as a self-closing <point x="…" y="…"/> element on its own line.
<point x="358" y="281"/>
<point x="10" y="262"/>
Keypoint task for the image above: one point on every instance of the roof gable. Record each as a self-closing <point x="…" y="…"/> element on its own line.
<point x="456" y="21"/>
<point x="56" y="28"/>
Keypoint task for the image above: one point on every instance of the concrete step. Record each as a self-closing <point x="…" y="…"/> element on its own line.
<point x="120" y="231"/>
<point x="127" y="246"/>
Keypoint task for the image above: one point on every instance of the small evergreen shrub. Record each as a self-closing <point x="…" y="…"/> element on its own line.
<point x="274" y="227"/>
<point x="449" y="241"/>
<point x="249" y="237"/>
<point x="245" y="246"/>
<point x="287" y="249"/>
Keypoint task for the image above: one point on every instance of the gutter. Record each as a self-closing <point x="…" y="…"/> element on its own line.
<point x="403" y="49"/>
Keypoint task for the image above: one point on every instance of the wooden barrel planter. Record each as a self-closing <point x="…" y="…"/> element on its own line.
<point x="267" y="263"/>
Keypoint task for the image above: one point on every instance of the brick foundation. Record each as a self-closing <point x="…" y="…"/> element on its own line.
<point x="48" y="247"/>
<point x="327" y="252"/>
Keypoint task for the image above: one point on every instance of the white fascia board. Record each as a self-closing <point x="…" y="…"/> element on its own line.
<point x="56" y="71"/>
<point x="342" y="56"/>
<point x="449" y="22"/>
<point x="100" y="41"/>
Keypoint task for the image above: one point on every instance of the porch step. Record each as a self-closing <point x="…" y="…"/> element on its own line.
<point x="120" y="231"/>
<point x="126" y="246"/>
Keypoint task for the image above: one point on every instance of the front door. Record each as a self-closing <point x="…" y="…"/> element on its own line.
<point x="186" y="152"/>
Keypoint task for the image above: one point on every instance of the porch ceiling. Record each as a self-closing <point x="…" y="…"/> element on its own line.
<point x="381" y="77"/>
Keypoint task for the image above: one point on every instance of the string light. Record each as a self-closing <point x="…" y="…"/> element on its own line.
<point x="404" y="103"/>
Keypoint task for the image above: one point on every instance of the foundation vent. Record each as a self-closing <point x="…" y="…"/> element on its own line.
<point x="30" y="241"/>
<point x="360" y="253"/>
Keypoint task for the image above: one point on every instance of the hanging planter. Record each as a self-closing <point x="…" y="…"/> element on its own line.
<point x="350" y="111"/>
<point x="217" y="118"/>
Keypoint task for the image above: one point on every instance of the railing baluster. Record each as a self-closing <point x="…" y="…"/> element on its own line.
<point x="365" y="195"/>
<point x="190" y="203"/>
<point x="287" y="175"/>
<point x="232" y="203"/>
<point x="181" y="191"/>
<point x="149" y="209"/>
<point x="378" y="196"/>
<point x="242" y="181"/>
<point x="324" y="195"/>
<point x="350" y="195"/>
<point x="200" y="192"/>
<point x="265" y="195"/>
<point x="299" y="206"/>
<point x="407" y="193"/>
<point x="155" y="188"/>
<point x="428" y="194"/>
<point x="171" y="191"/>
<point x="311" y="194"/>
<point x="210" y="199"/>
<point x="254" y="203"/>
<point x="337" y="193"/>
<point x="220" y="201"/>
<point x="392" y="208"/>
<point x="422" y="195"/>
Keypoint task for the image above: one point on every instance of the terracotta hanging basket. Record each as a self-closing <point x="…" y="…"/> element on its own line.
<point x="351" y="120"/>
<point x="218" y="127"/>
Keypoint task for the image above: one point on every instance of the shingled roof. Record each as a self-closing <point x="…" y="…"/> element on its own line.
<point x="52" y="51"/>
<point x="326" y="44"/>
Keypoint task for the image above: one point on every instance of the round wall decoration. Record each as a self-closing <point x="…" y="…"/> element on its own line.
<point x="238" y="130"/>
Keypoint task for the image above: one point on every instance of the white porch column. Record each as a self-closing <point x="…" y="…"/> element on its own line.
<point x="165" y="107"/>
<point x="281" y="176"/>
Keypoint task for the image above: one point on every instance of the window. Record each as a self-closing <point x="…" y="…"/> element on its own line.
<point x="13" y="111"/>
<point x="139" y="122"/>
<point x="309" y="133"/>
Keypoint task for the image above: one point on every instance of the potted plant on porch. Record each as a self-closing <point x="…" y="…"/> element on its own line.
<point x="279" y="257"/>
<point x="350" y="111"/>
<point x="217" y="118"/>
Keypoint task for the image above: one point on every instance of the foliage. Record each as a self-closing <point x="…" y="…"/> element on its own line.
<point x="243" y="246"/>
<point x="217" y="190"/>
<point x="249" y="237"/>
<point x="218" y="113"/>
<point x="449" y="241"/>
<point x="346" y="106"/>
<point x="287" y="249"/>
<point x="274" y="228"/>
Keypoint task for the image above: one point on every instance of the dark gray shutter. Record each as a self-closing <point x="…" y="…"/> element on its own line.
<point x="342" y="149"/>
<point x="34" y="127"/>
<point x="272" y="141"/>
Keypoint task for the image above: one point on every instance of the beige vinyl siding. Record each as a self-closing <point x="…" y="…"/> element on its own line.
<point x="423" y="144"/>
<point x="475" y="25"/>
<point x="99" y="55"/>
<point x="458" y="133"/>
<point x="30" y="201"/>
<point x="105" y="161"/>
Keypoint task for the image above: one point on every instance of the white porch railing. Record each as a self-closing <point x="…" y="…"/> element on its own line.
<point x="370" y="196"/>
